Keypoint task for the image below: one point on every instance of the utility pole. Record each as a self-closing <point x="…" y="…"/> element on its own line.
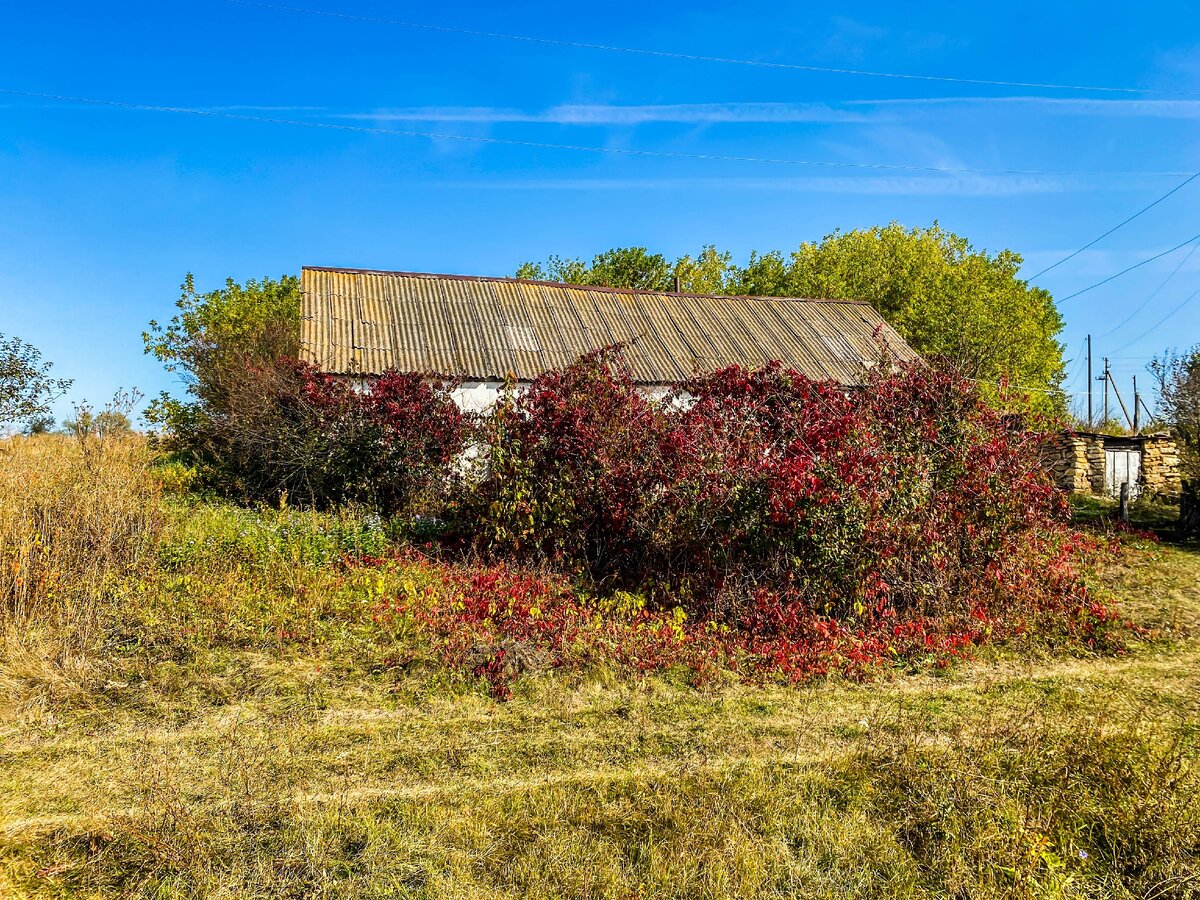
<point x="1137" y="411"/>
<point x="1128" y="421"/>
<point x="1089" y="382"/>
<point x="1104" y="378"/>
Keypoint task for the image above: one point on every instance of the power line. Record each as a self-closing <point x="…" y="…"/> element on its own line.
<point x="1186" y="300"/>
<point x="1136" y="265"/>
<point x="1153" y="293"/>
<point x="1116" y="227"/>
<point x="583" y="148"/>
<point x="693" y="57"/>
<point x="1078" y="364"/>
<point x="1026" y="387"/>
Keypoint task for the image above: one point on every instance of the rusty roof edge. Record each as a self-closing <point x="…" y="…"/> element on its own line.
<point x="585" y="287"/>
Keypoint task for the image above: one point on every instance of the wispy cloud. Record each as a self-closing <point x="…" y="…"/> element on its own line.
<point x="1079" y="106"/>
<point x="253" y="108"/>
<point x="871" y="111"/>
<point x="613" y="114"/>
<point x="966" y="186"/>
<point x="896" y="111"/>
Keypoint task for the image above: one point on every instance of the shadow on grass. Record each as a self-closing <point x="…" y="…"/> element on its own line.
<point x="1161" y="519"/>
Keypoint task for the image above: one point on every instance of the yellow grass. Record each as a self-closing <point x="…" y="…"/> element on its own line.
<point x="73" y="516"/>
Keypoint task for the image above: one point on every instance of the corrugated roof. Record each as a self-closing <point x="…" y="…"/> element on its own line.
<point x="365" y="322"/>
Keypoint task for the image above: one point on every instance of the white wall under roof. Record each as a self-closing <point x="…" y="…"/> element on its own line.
<point x="481" y="396"/>
<point x="477" y="396"/>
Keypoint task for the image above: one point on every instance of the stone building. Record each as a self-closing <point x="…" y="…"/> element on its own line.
<point x="1091" y="463"/>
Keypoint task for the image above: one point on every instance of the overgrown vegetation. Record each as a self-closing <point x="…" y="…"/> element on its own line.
<point x="892" y="499"/>
<point x="758" y="522"/>
<point x="224" y="345"/>
<point x="268" y="702"/>
<point x="331" y="642"/>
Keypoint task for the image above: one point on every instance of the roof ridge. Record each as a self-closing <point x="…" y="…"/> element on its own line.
<point x="585" y="287"/>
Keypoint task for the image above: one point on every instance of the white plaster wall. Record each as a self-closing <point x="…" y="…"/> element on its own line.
<point x="481" y="396"/>
<point x="477" y="396"/>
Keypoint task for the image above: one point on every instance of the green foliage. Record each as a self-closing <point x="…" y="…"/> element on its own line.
<point x="214" y="337"/>
<point x="223" y="344"/>
<point x="627" y="267"/>
<point x="26" y="388"/>
<point x="259" y="320"/>
<point x="943" y="296"/>
<point x="40" y="424"/>
<point x="1178" y="381"/>
<point x="220" y="535"/>
<point x="710" y="272"/>
<point x="104" y="423"/>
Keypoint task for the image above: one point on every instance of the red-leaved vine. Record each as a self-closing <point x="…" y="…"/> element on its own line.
<point x="895" y="497"/>
<point x="756" y="522"/>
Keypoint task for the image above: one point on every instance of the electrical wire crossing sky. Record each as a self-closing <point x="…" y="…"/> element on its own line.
<point x="242" y="139"/>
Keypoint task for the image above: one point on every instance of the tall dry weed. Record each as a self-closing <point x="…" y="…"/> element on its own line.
<point x="72" y="518"/>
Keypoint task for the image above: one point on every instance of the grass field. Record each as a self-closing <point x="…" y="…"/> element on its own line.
<point x="194" y="702"/>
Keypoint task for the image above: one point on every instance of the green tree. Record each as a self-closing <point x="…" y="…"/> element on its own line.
<point x="215" y="336"/>
<point x="945" y="298"/>
<point x="710" y="272"/>
<point x="227" y="346"/>
<point x="1178" y="380"/>
<point x="41" y="424"/>
<point x="627" y="267"/>
<point x="103" y="424"/>
<point x="26" y="386"/>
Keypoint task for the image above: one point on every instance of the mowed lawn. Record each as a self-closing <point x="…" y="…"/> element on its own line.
<point x="180" y="759"/>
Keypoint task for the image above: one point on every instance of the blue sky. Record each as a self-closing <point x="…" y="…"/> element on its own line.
<point x="103" y="209"/>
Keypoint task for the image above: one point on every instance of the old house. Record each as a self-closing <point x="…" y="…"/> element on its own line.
<point x="480" y="331"/>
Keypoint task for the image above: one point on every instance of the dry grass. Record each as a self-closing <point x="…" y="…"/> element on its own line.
<point x="189" y="747"/>
<point x="74" y="517"/>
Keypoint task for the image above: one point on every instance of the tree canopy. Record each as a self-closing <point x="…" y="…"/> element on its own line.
<point x="216" y="335"/>
<point x="227" y="345"/>
<point x="1178" y="377"/>
<point x="26" y="387"/>
<point x="947" y="299"/>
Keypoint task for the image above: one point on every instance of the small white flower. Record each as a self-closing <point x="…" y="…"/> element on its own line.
<point x="864" y="723"/>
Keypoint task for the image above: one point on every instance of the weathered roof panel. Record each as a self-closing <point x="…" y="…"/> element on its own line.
<point x="366" y="322"/>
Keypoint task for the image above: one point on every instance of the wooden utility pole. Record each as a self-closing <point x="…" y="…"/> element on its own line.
<point x="1104" y="378"/>
<point x="1090" y="419"/>
<point x="1128" y="420"/>
<point x="1146" y="410"/>
<point x="1137" y="412"/>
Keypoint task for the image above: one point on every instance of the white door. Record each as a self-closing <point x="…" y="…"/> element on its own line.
<point x="1119" y="466"/>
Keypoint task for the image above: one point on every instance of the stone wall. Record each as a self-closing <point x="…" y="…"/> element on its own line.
<point x="1076" y="464"/>
<point x="1160" y="467"/>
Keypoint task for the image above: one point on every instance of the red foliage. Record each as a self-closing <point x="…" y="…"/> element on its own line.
<point x="898" y="495"/>
<point x="381" y="445"/>
<point x="775" y="526"/>
<point x="498" y="622"/>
